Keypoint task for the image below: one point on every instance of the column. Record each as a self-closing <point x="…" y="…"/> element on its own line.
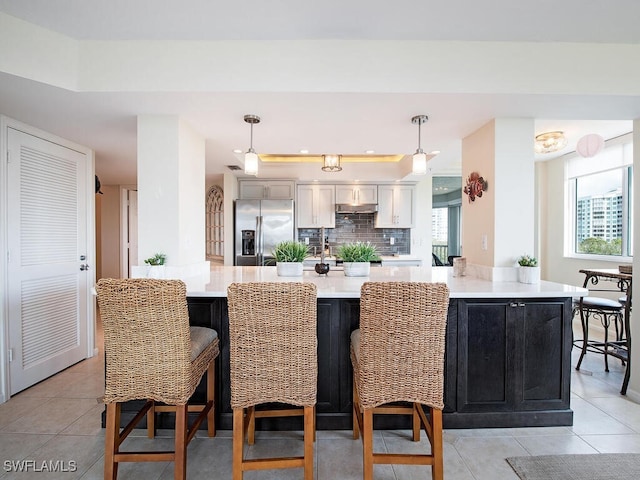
<point x="171" y="195"/>
<point x="498" y="227"/>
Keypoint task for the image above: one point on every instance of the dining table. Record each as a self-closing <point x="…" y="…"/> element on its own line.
<point x="612" y="280"/>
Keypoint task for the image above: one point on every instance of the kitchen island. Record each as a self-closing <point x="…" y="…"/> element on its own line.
<point x="508" y="346"/>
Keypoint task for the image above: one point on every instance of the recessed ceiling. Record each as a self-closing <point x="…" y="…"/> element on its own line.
<point x="310" y="158"/>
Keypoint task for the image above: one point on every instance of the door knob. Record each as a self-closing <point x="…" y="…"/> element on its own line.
<point x="84" y="267"/>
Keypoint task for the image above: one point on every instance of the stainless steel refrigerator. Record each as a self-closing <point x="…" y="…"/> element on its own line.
<point x="259" y="226"/>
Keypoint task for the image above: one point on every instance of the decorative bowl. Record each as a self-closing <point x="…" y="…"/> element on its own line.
<point x="322" y="268"/>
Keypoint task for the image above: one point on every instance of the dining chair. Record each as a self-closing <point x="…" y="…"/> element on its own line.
<point x="273" y="357"/>
<point x="153" y="355"/>
<point x="397" y="355"/>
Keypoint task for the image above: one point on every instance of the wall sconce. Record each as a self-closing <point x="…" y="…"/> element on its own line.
<point x="331" y="163"/>
<point x="251" y="157"/>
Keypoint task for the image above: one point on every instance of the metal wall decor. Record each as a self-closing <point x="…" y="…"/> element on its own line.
<point x="475" y="186"/>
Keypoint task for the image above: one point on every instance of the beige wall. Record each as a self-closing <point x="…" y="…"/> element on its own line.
<point x="108" y="217"/>
<point x="478" y="153"/>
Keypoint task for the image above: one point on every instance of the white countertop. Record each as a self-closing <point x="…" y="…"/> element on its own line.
<point x="337" y="285"/>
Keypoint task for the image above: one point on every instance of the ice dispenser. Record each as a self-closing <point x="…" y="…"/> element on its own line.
<point x="248" y="242"/>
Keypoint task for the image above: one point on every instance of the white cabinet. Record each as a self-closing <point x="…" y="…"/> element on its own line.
<point x="267" y="190"/>
<point x="396" y="206"/>
<point x="356" y="194"/>
<point x="316" y="206"/>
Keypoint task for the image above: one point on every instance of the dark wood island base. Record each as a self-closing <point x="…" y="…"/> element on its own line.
<point x="508" y="364"/>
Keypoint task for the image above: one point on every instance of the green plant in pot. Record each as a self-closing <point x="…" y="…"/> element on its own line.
<point x="156" y="265"/>
<point x="356" y="257"/>
<point x="529" y="271"/>
<point x="289" y="256"/>
<point x="157" y="259"/>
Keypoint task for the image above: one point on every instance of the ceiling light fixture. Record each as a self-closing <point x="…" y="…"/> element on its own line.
<point x="419" y="158"/>
<point x="251" y="157"/>
<point x="331" y="163"/>
<point x="590" y="145"/>
<point x="550" y="142"/>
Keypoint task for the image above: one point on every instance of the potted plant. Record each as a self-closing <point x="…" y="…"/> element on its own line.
<point x="529" y="271"/>
<point x="356" y="258"/>
<point x="289" y="256"/>
<point x="156" y="265"/>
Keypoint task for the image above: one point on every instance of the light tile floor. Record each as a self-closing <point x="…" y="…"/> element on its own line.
<point x="59" y="420"/>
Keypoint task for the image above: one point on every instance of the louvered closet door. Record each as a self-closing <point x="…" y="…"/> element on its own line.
<point x="47" y="237"/>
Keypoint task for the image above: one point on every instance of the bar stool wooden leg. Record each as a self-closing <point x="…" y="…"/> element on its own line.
<point x="309" y="437"/>
<point x="238" y="442"/>
<point x="180" y="462"/>
<point x="367" y="443"/>
<point x="211" y="382"/>
<point x="416" y="423"/>
<point x="111" y="441"/>
<point x="437" y="449"/>
<point x="251" y="425"/>
<point x="151" y="421"/>
<point x="356" y="413"/>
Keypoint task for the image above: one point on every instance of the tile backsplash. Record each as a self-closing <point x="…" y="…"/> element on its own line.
<point x="359" y="228"/>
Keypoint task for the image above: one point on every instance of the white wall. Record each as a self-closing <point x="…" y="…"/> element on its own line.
<point x="421" y="235"/>
<point x="513" y="190"/>
<point x="171" y="212"/>
<point x="230" y="188"/>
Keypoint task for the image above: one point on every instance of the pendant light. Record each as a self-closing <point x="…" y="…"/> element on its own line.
<point x="419" y="158"/>
<point x="251" y="157"/>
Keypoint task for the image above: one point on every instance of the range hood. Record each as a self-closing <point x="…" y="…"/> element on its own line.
<point x="362" y="208"/>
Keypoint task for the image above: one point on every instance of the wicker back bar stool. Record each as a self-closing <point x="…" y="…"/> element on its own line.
<point x="273" y="358"/>
<point x="153" y="354"/>
<point x="398" y="356"/>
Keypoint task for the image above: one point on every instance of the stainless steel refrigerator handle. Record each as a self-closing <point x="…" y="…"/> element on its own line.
<point x="260" y="241"/>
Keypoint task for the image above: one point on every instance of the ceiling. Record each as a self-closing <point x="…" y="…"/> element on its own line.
<point x="320" y="121"/>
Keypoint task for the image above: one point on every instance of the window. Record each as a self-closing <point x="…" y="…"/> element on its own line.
<point x="445" y="217"/>
<point x="215" y="224"/>
<point x="440" y="232"/>
<point x="600" y="191"/>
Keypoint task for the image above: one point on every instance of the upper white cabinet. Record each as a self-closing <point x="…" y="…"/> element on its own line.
<point x="316" y="206"/>
<point x="396" y="206"/>
<point x="356" y="194"/>
<point x="267" y="189"/>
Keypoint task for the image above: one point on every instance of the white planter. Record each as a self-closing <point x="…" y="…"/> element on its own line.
<point x="155" y="271"/>
<point x="529" y="274"/>
<point x="356" y="269"/>
<point x="289" y="269"/>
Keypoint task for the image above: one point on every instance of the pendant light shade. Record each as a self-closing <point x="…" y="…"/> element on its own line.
<point x="590" y="145"/>
<point x="419" y="158"/>
<point x="251" y="157"/>
<point x="419" y="164"/>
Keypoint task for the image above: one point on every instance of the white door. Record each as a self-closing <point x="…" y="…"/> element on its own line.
<point x="48" y="281"/>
